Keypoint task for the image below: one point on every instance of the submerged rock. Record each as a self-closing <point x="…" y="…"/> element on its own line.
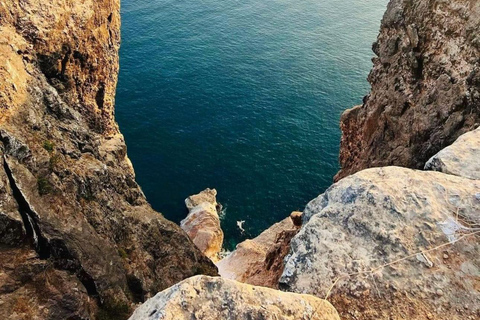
<point x="462" y="158"/>
<point x="203" y="223"/>
<point x="259" y="261"/>
<point x="208" y="298"/>
<point x="382" y="245"/>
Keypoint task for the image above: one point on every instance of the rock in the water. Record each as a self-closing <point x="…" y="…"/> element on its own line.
<point x="425" y="86"/>
<point x="260" y="261"/>
<point x="383" y="215"/>
<point x="462" y="158"/>
<point x="208" y="298"/>
<point x="203" y="223"/>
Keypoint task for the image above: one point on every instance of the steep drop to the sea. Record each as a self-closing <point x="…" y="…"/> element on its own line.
<point x="78" y="239"/>
<point x="425" y="86"/>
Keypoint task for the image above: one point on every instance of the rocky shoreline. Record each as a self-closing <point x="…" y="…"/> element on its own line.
<point x="78" y="239"/>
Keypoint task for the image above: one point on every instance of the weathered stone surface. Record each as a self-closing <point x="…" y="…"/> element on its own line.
<point x="203" y="223"/>
<point x="425" y="86"/>
<point x="382" y="215"/>
<point x="462" y="158"/>
<point x="31" y="288"/>
<point x="75" y="45"/>
<point x="259" y="261"/>
<point x="208" y="298"/>
<point x="208" y="195"/>
<point x="67" y="188"/>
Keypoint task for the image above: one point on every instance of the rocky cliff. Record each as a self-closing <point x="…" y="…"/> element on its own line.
<point x="79" y="241"/>
<point x="425" y="86"/>
<point x="77" y="237"/>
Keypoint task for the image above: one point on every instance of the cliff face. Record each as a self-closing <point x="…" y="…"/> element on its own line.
<point x="425" y="86"/>
<point x="77" y="237"/>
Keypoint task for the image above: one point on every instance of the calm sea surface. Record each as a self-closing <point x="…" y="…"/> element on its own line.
<point x="241" y="96"/>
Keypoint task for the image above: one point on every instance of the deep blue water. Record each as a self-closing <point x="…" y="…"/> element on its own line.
<point x="242" y="96"/>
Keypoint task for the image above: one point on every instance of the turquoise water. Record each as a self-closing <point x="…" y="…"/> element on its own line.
<point x="241" y="96"/>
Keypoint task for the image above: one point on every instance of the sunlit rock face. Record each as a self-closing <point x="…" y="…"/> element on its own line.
<point x="462" y="158"/>
<point x="208" y="298"/>
<point x="425" y="86"/>
<point x="203" y="223"/>
<point x="259" y="261"/>
<point x="391" y="243"/>
<point x="78" y="239"/>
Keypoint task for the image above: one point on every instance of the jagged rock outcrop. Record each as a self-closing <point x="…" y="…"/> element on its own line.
<point x="392" y="243"/>
<point x="425" y="86"/>
<point x="208" y="298"/>
<point x="203" y="223"/>
<point x="77" y="237"/>
<point x="259" y="261"/>
<point x="462" y="158"/>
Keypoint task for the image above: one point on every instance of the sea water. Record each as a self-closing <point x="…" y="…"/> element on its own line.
<point x="242" y="96"/>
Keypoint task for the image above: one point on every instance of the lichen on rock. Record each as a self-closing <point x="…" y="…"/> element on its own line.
<point x="377" y="244"/>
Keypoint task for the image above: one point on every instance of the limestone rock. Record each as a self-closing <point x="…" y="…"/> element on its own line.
<point x="208" y="195"/>
<point x="208" y="298"/>
<point x="203" y="223"/>
<point x="68" y="195"/>
<point x="379" y="216"/>
<point x="425" y="86"/>
<point x="259" y="261"/>
<point x="462" y="158"/>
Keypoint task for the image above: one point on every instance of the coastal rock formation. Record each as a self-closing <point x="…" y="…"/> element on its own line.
<point x="208" y="298"/>
<point x="260" y="261"/>
<point x="391" y="243"/>
<point x="77" y="237"/>
<point x="425" y="86"/>
<point x="462" y="158"/>
<point x="203" y="223"/>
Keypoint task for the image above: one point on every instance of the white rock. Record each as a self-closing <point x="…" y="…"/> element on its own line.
<point x="382" y="215"/>
<point x="462" y="158"/>
<point x="214" y="298"/>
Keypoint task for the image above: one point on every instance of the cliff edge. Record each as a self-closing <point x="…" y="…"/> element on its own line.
<point x="425" y="86"/>
<point x="78" y="239"/>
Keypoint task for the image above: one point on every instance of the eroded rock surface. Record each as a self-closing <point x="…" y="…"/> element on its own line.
<point x="425" y="86"/>
<point x="259" y="261"/>
<point x="382" y="215"/>
<point x="462" y="158"/>
<point x="74" y="222"/>
<point x="203" y="223"/>
<point x="208" y="298"/>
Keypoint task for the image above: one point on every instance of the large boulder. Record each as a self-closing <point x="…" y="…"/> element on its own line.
<point x="462" y="158"/>
<point x="391" y="243"/>
<point x="208" y="298"/>
<point x="203" y="223"/>
<point x="259" y="261"/>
